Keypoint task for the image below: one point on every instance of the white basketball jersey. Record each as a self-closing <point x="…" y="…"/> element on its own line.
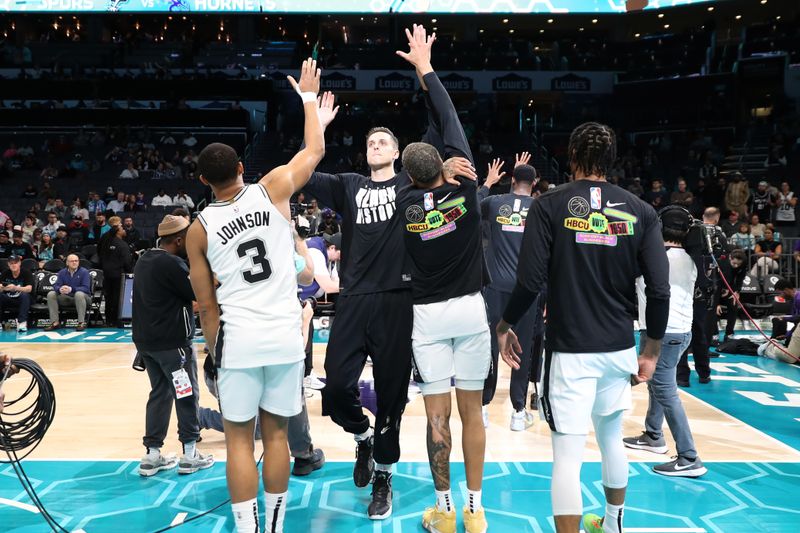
<point x="251" y="251"/>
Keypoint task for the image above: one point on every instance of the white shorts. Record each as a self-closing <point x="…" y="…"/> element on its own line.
<point x="576" y="386"/>
<point x="466" y="358"/>
<point x="276" y="389"/>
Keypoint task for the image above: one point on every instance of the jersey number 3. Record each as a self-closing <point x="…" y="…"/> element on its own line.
<point x="256" y="249"/>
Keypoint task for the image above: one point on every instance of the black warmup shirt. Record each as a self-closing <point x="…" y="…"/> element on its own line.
<point x="162" y="302"/>
<point x="505" y="215"/>
<point x="443" y="240"/>
<point x="24" y="279"/>
<point x="373" y="250"/>
<point x="587" y="241"/>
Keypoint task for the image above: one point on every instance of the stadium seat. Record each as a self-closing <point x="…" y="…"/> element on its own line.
<point x="54" y="265"/>
<point x="43" y="282"/>
<point x="30" y="264"/>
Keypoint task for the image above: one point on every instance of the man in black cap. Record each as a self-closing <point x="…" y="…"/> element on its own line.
<point x="163" y="329"/>
<point x="16" y="285"/>
<point x="20" y="247"/>
<point x="5" y="245"/>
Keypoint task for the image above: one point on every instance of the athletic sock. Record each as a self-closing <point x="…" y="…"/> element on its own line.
<point x="444" y="500"/>
<point x="613" y="519"/>
<point x="245" y="516"/>
<point x="153" y="453"/>
<point x="275" y="512"/>
<point x="383" y="468"/>
<point x="474" y="500"/>
<point x="363" y="436"/>
<point x="189" y="449"/>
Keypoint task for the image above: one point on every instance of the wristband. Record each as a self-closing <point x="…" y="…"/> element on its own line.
<point x="307" y="97"/>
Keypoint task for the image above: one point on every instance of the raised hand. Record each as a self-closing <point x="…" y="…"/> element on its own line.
<point x="325" y="108"/>
<point x="419" y="43"/>
<point x="522" y="159"/>
<point x="309" y="78"/>
<point x="458" y="166"/>
<point x="494" y="174"/>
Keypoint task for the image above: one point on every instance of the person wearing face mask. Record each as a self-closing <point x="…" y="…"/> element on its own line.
<point x="163" y="328"/>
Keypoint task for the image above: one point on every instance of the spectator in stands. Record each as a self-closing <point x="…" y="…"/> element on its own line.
<point x="78" y="209"/>
<point x="743" y="239"/>
<point x="73" y="289"/>
<point x="181" y="212"/>
<point x="756" y="227"/>
<point x="117" y="205"/>
<point x="776" y="163"/>
<point x="29" y="192"/>
<point x="49" y="205"/>
<point x="78" y="231"/>
<point x="110" y="195"/>
<point x="167" y="138"/>
<point x="46" y="250"/>
<point x="129" y="173"/>
<point x="635" y="188"/>
<point x="96" y="205"/>
<point x="162" y="199"/>
<point x="786" y="204"/>
<point x="737" y="195"/>
<point x="130" y="204"/>
<point x="36" y="241"/>
<point x="20" y="247"/>
<point x="16" y="285"/>
<point x="141" y="203"/>
<point x="708" y="171"/>
<point x="10" y="152"/>
<point x="99" y="228"/>
<point x="116" y="261"/>
<point x="49" y="173"/>
<point x="682" y="196"/>
<point x="762" y="202"/>
<point x="60" y="209"/>
<point x="183" y="200"/>
<point x="61" y="243"/>
<point x="5" y="245"/>
<point x="47" y="191"/>
<point x="53" y="223"/>
<point x="768" y="252"/>
<point x="329" y="225"/>
<point x="77" y="164"/>
<point x="132" y="235"/>
<point x="731" y="225"/>
<point x="28" y="227"/>
<point x="657" y="196"/>
<point x="115" y="156"/>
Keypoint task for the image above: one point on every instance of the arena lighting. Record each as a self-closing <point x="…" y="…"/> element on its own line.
<point x="511" y="31"/>
<point x="433" y="21"/>
<point x="661" y="15"/>
<point x="549" y="21"/>
<point x="505" y="21"/>
<point x="636" y="35"/>
<point x="666" y="26"/>
<point x="594" y="21"/>
<point x="738" y="17"/>
<point x="541" y="31"/>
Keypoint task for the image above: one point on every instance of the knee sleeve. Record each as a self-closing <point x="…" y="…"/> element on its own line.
<point x="566" y="482"/>
<point x="608" y="431"/>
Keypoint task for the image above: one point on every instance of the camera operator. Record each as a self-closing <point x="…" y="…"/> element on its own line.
<point x="704" y="318"/>
<point x="163" y="329"/>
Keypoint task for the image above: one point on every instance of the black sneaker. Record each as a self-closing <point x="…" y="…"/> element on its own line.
<point x="681" y="467"/>
<point x="684" y="383"/>
<point x="362" y="471"/>
<point x="304" y="466"/>
<point x="646" y="442"/>
<point x="381" y="505"/>
<point x="705" y="380"/>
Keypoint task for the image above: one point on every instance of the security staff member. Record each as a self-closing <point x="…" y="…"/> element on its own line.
<point x="163" y="328"/>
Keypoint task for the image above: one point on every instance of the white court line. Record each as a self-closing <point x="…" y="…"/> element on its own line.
<point x="18" y="505"/>
<point x="179" y="519"/>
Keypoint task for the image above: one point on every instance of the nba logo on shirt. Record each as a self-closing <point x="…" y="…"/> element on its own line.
<point x="428" y="201"/>
<point x="596" y="197"/>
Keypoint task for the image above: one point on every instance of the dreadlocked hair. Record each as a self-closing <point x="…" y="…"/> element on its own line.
<point x="592" y="148"/>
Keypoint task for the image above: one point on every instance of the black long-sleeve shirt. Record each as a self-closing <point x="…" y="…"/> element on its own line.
<point x="115" y="258"/>
<point x="373" y="251"/>
<point x="505" y="215"/>
<point x="588" y="241"/>
<point x="162" y="302"/>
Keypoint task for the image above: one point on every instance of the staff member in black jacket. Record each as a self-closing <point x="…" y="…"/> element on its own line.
<point x="163" y="328"/>
<point x="116" y="260"/>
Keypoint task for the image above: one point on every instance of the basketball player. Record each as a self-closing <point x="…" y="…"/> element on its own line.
<point x="373" y="312"/>
<point x="588" y="241"/>
<point x="252" y="321"/>
<point x="451" y="337"/>
<point x="505" y="214"/>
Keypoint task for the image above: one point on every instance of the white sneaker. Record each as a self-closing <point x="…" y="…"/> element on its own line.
<point x="485" y="413"/>
<point x="22" y="327"/>
<point x="312" y="382"/>
<point x="763" y="349"/>
<point x="190" y="465"/>
<point x="521" y="420"/>
<point x="150" y="466"/>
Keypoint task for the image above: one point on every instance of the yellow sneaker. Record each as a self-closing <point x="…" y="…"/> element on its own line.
<point x="437" y="521"/>
<point x="475" y="522"/>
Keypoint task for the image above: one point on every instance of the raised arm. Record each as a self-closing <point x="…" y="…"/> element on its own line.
<point x="203" y="283"/>
<point x="282" y="182"/>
